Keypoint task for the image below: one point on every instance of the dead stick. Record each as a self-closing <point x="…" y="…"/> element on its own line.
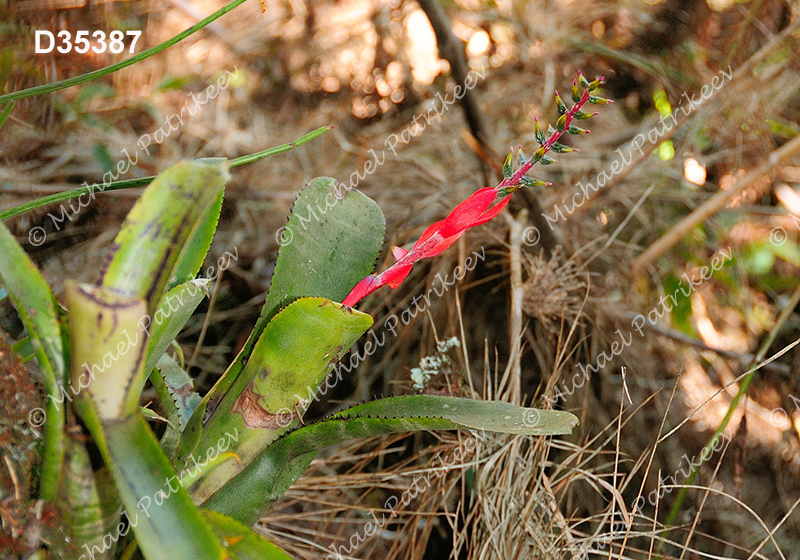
<point x="511" y="383"/>
<point x="452" y="49"/>
<point x="682" y="338"/>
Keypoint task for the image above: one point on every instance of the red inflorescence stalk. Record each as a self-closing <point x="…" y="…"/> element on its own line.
<point x="474" y="211"/>
<point x="547" y="146"/>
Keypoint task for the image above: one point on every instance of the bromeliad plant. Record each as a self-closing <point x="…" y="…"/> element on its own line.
<point x="226" y="457"/>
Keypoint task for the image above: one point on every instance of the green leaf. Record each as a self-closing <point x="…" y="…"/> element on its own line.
<point x="174" y="309"/>
<point x="196" y="248"/>
<point x="561" y="148"/>
<point x="681" y="313"/>
<point x="163" y="220"/>
<point x="42" y="317"/>
<point x="103" y="157"/>
<point x="172" y="384"/>
<point x="171" y="438"/>
<point x="247" y="496"/>
<point x="108" y="346"/>
<point x="35" y="303"/>
<point x="180" y="387"/>
<point x="173" y="82"/>
<point x="783" y="128"/>
<point x="329" y="245"/>
<point x="91" y="91"/>
<point x="493" y="416"/>
<point x="291" y="359"/>
<point x="89" y="502"/>
<point x="597" y="100"/>
<point x="168" y="525"/>
<point x="334" y="244"/>
<point x="150" y="414"/>
<point x="529" y="182"/>
<point x="239" y="542"/>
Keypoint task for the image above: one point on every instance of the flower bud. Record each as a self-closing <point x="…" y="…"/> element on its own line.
<point x="561" y="148"/>
<point x="595" y="83"/>
<point x="576" y="130"/>
<point x="529" y="182"/>
<point x="508" y="170"/>
<point x="596" y="100"/>
<point x="562" y="107"/>
<point x="540" y="138"/>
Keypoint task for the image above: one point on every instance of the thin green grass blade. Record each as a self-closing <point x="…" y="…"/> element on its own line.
<point x="89" y="76"/>
<point x="131" y="183"/>
<point x="6" y="111"/>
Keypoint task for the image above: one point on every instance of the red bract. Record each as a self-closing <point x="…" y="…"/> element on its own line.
<point x="478" y="208"/>
<point x="474" y="211"/>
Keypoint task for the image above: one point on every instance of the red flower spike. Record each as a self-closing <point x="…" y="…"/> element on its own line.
<point x="398" y="253"/>
<point x="492" y="212"/>
<point x="394" y="276"/>
<point x="361" y="290"/>
<point x="474" y="211"/>
<point x="465" y="214"/>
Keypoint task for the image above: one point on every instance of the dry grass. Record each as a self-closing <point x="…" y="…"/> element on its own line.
<point x="554" y="289"/>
